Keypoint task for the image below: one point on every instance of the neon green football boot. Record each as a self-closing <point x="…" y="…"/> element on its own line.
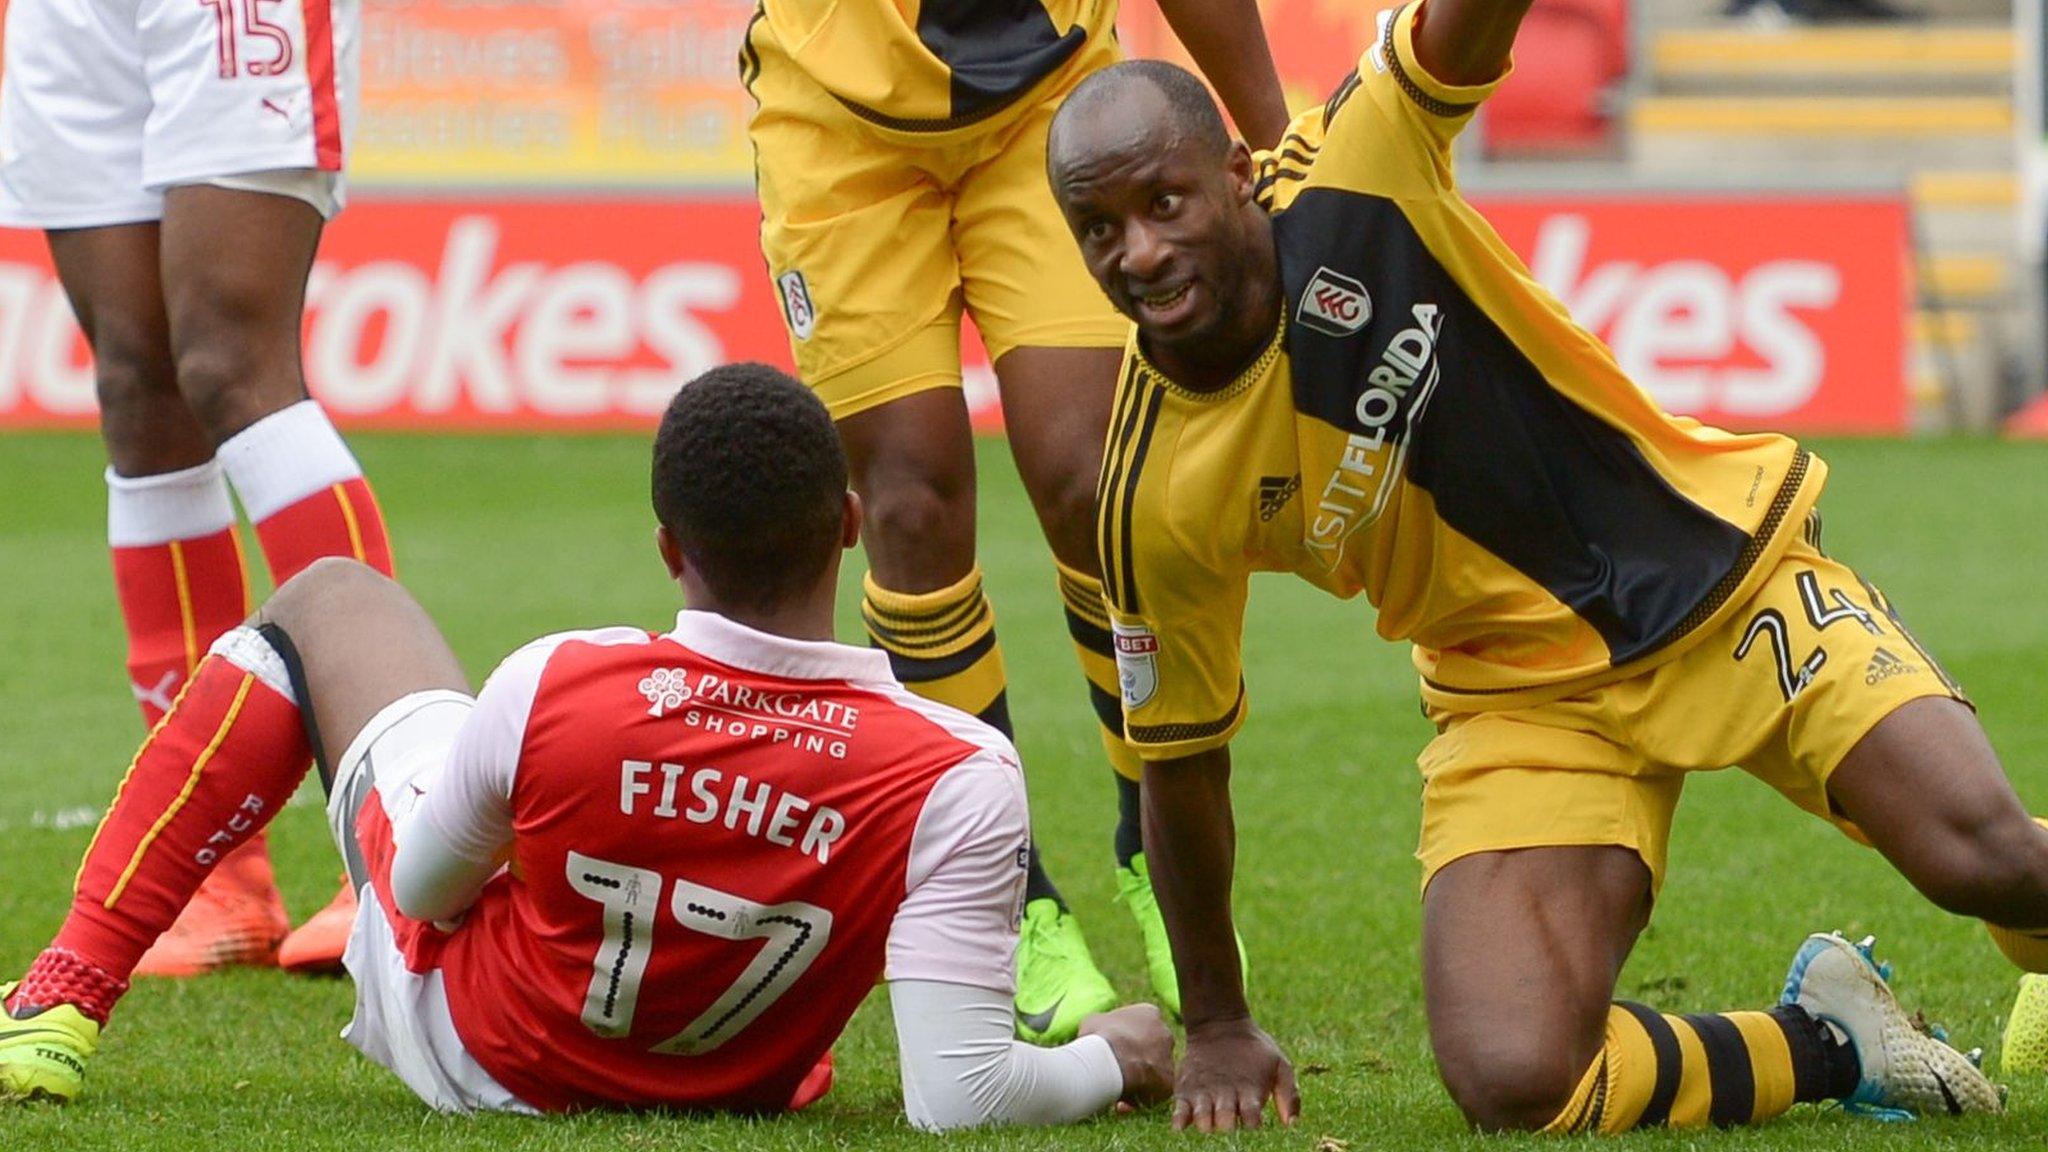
<point x="43" y="1057"/>
<point x="1058" y="984"/>
<point x="1134" y="891"/>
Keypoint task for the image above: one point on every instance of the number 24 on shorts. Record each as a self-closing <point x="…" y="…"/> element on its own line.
<point x="1770" y="624"/>
<point x="794" y="933"/>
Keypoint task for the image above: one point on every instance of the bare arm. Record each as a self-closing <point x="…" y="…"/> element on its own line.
<point x="1229" y="45"/>
<point x="1231" y="1067"/>
<point x="1467" y="41"/>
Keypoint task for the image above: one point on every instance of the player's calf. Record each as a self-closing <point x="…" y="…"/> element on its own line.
<point x="211" y="775"/>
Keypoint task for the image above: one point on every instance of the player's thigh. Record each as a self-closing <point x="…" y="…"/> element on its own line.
<point x="109" y="275"/>
<point x="1056" y="406"/>
<point x="73" y="105"/>
<point x="1520" y="952"/>
<point x="234" y="269"/>
<point x="1809" y="666"/>
<point x="1882" y="741"/>
<point x="1021" y="271"/>
<point x="854" y="233"/>
<point x="361" y="642"/>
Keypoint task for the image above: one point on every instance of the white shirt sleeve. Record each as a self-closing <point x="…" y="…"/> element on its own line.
<point x="963" y="1066"/>
<point x="458" y="833"/>
<point x="965" y="879"/>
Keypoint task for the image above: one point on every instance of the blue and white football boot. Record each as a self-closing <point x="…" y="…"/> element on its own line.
<point x="1909" y="1069"/>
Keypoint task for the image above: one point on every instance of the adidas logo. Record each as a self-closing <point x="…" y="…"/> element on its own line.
<point x="1275" y="492"/>
<point x="1883" y="666"/>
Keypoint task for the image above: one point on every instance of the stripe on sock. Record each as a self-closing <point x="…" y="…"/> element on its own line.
<point x="199" y="763"/>
<point x="182" y="583"/>
<point x="1731" y="1086"/>
<point x="1723" y="1069"/>
<point x="1666" y="1062"/>
<point x="1088" y="626"/>
<point x="942" y="645"/>
<point x="348" y="519"/>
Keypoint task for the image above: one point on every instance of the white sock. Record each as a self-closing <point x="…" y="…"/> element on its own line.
<point x="285" y="457"/>
<point x="144" y="511"/>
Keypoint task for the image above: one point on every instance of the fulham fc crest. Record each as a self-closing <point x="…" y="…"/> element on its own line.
<point x="796" y="304"/>
<point x="1137" y="663"/>
<point x="1334" y="304"/>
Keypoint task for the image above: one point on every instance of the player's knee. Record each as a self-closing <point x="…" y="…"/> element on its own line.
<point x="1067" y="513"/>
<point x="1512" y="1083"/>
<point x="130" y="368"/>
<point x="330" y="586"/>
<point x="919" y="514"/>
<point x="220" y="378"/>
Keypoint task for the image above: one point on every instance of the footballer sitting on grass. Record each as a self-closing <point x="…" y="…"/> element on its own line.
<point x="1340" y="371"/>
<point x="638" y="869"/>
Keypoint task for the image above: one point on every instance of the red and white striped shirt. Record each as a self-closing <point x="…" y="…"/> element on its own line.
<point x="719" y="840"/>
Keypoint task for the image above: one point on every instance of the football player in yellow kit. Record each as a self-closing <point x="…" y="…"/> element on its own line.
<point x="900" y="158"/>
<point x="1339" y="370"/>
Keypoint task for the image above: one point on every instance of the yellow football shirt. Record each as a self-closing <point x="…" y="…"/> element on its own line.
<point x="932" y="65"/>
<point x="1429" y="427"/>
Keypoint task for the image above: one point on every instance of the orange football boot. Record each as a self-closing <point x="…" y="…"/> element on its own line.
<point x="315" y="947"/>
<point x="236" y="917"/>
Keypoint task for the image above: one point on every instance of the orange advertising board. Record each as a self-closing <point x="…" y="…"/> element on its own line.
<point x="561" y="92"/>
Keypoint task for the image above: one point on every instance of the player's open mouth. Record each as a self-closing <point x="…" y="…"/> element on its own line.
<point x="1160" y="306"/>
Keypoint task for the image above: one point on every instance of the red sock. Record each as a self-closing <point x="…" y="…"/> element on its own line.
<point x="228" y="755"/>
<point x="304" y="491"/>
<point x="339" y="520"/>
<point x="177" y="572"/>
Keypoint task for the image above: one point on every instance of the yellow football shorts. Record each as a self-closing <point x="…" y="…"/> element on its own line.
<point x="1784" y="690"/>
<point x="877" y="237"/>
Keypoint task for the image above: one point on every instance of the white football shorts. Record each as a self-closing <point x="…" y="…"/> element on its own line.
<point x="106" y="103"/>
<point x="402" y="1020"/>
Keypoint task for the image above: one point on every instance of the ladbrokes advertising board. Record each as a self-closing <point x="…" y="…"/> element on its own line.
<point x="1750" y="312"/>
<point x="1746" y="311"/>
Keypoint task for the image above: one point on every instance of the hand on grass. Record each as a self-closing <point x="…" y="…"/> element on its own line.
<point x="1230" y="1070"/>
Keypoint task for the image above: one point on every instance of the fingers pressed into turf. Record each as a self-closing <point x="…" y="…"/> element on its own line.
<point x="1249" y="1107"/>
<point x="1287" y="1098"/>
<point x="1220" y="1114"/>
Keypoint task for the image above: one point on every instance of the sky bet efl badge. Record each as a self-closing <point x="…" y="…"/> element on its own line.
<point x="1137" y="664"/>
<point x="1334" y="304"/>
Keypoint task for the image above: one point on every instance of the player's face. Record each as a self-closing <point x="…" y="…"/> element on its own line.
<point x="1162" y="227"/>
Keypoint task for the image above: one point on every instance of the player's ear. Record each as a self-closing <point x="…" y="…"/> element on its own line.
<point x="1242" y="173"/>
<point x="851" y="517"/>
<point x="671" y="552"/>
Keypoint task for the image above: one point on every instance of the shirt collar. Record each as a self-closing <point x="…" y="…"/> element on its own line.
<point x="735" y="644"/>
<point x="1250" y="375"/>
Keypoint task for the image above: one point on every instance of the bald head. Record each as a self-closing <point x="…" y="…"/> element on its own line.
<point x="1152" y="102"/>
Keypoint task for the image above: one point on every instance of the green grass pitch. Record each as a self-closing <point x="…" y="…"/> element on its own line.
<point x="508" y="538"/>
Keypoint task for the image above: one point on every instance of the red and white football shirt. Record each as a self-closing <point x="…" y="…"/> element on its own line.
<point x="719" y="841"/>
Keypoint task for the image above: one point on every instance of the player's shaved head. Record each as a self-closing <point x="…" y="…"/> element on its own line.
<point x="750" y="480"/>
<point x="1149" y="98"/>
<point x="1164" y="206"/>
